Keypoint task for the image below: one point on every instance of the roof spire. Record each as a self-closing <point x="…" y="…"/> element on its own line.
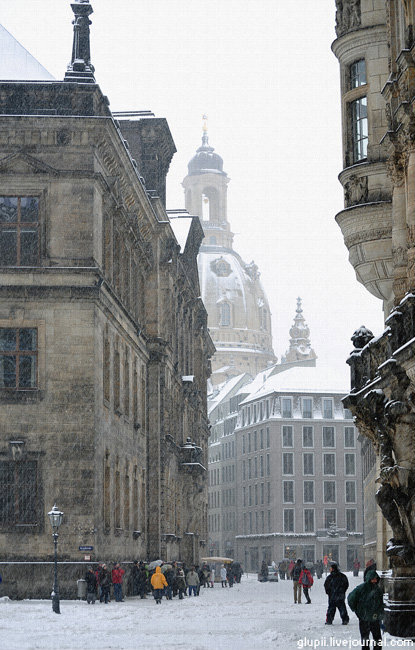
<point x="300" y="345"/>
<point x="205" y="139"/>
<point x="80" y="68"/>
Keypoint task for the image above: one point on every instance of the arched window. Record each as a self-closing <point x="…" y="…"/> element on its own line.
<point x="225" y="314"/>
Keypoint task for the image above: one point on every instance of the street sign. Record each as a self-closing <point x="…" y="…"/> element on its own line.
<point x="86" y="548"/>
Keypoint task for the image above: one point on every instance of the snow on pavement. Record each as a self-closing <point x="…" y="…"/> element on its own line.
<point x="250" y="616"/>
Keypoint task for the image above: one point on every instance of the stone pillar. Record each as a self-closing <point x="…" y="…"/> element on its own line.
<point x="399" y="242"/>
<point x="80" y="68"/>
<point x="410" y="218"/>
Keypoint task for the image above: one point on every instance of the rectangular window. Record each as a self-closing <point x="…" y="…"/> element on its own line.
<point x="18" y="358"/>
<point x="268" y="492"/>
<point x="329" y="517"/>
<point x="287" y="436"/>
<point x="254" y="412"/>
<point x="261" y="466"/>
<point x="328" y="409"/>
<point x="19" y="231"/>
<point x="348" y="415"/>
<point x="359" y="128"/>
<point x="308" y="437"/>
<point x="329" y="463"/>
<point x="262" y="494"/>
<point x="350" y="492"/>
<point x="268" y="465"/>
<point x="255" y="440"/>
<point x="243" y="444"/>
<point x="350" y="464"/>
<point x="249" y="468"/>
<point x="309" y="521"/>
<point x="308" y="491"/>
<point x="261" y="437"/>
<point x="286" y="407"/>
<point x="349" y="437"/>
<point x="288" y="463"/>
<point x="19" y="504"/>
<point x="289" y="521"/>
<point x="329" y="493"/>
<point x="256" y="467"/>
<point x="267" y="409"/>
<point x="256" y="495"/>
<point x="350" y="520"/>
<point x="307" y="406"/>
<point x="308" y="464"/>
<point x="243" y="470"/>
<point x="288" y="491"/>
<point x="358" y="74"/>
<point x="268" y="439"/>
<point x="249" y="442"/>
<point x="250" y="495"/>
<point x="328" y="437"/>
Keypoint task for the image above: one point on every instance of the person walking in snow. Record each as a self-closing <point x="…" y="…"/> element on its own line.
<point x="117" y="575"/>
<point x="193" y="581"/>
<point x="306" y="581"/>
<point x="223" y="575"/>
<point x="295" y="576"/>
<point x="180" y="583"/>
<point x="91" y="586"/>
<point x="212" y="577"/>
<point x="335" y="586"/>
<point x="158" y="582"/>
<point x="105" y="584"/>
<point x="264" y="571"/>
<point x="366" y="601"/>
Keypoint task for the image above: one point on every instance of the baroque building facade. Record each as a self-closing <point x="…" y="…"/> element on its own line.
<point x="104" y="346"/>
<point x="239" y="316"/>
<point x="376" y="50"/>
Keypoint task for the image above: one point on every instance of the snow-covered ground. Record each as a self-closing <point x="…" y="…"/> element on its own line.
<point x="251" y="615"/>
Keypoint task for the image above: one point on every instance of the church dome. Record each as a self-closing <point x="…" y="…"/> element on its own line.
<point x="205" y="160"/>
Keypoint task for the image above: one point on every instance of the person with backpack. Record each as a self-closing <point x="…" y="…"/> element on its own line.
<point x="306" y="580"/>
<point x="366" y="601"/>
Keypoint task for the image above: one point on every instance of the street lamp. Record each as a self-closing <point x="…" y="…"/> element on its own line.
<point x="55" y="517"/>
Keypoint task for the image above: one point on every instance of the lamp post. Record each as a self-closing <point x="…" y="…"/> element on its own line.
<point x="55" y="517"/>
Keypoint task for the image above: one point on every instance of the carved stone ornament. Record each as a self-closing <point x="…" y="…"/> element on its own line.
<point x="356" y="190"/>
<point x="221" y="267"/>
<point x="361" y="337"/>
<point x="348" y="16"/>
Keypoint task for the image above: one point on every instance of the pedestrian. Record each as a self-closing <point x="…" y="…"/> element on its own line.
<point x="142" y="581"/>
<point x="319" y="569"/>
<point x="335" y="586"/>
<point x="134" y="578"/>
<point x="170" y="577"/>
<point x="193" y="581"/>
<point x="264" y="571"/>
<point x="295" y="576"/>
<point x="91" y="586"/>
<point x="356" y="567"/>
<point x="306" y="580"/>
<point x="370" y="566"/>
<point x="180" y="583"/>
<point x="290" y="568"/>
<point x="366" y="601"/>
<point x="158" y="582"/>
<point x="223" y="575"/>
<point x="212" y="577"/>
<point x="105" y="584"/>
<point x="117" y="575"/>
<point x="230" y="575"/>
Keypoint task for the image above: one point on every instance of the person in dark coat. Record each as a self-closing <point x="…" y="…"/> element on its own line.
<point x="105" y="583"/>
<point x="142" y="581"/>
<point x="264" y="571"/>
<point x="91" y="586"/>
<point x="181" y="583"/>
<point x="370" y="566"/>
<point x="230" y="575"/>
<point x="366" y="601"/>
<point x="295" y="577"/>
<point x="319" y="569"/>
<point x="134" y="578"/>
<point x="335" y="586"/>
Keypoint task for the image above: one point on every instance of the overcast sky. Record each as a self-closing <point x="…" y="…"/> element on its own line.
<point x="264" y="73"/>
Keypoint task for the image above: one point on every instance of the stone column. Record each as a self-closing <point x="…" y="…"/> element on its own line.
<point x="80" y="68"/>
<point x="410" y="218"/>
<point x="399" y="238"/>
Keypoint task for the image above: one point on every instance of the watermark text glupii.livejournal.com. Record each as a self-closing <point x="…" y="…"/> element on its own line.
<point x="332" y="642"/>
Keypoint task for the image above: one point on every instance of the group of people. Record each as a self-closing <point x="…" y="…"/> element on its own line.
<point x="166" y="579"/>
<point x="285" y="569"/>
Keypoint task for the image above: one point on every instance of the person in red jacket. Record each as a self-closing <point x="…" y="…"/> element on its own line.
<point x="117" y="578"/>
<point x="306" y="580"/>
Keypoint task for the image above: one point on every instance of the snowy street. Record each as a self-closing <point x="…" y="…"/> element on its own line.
<point x="250" y="616"/>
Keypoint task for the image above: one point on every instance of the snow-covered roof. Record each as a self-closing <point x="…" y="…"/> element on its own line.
<point x="181" y="226"/>
<point x="321" y="378"/>
<point x="223" y="390"/>
<point x="16" y="63"/>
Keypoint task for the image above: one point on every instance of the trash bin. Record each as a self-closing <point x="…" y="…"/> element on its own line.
<point x="81" y="588"/>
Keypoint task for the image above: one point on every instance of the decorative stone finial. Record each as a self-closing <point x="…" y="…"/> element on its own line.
<point x="80" y="69"/>
<point x="361" y="337"/>
<point x="300" y="345"/>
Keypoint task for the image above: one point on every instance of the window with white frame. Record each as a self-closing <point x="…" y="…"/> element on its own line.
<point x="288" y="463"/>
<point x="329" y="437"/>
<point x="329" y="464"/>
<point x="350" y="519"/>
<point x="308" y="437"/>
<point x="287" y="436"/>
<point x="308" y="489"/>
<point x="327" y="408"/>
<point x="349" y="437"/>
<point x="288" y="520"/>
<point x="350" y="491"/>
<point x="288" y="491"/>
<point x="308" y="463"/>
<point x="329" y="492"/>
<point x="348" y="415"/>
<point x="286" y="407"/>
<point x="359" y="128"/>
<point x="307" y="407"/>
<point x="330" y="517"/>
<point x="309" y="521"/>
<point x="350" y="464"/>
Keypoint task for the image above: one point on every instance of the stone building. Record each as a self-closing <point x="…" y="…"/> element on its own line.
<point x="376" y="50"/>
<point x="104" y="347"/>
<point x="239" y="317"/>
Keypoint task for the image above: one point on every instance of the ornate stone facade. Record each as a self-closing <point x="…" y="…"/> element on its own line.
<point x="383" y="368"/>
<point x="104" y="347"/>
